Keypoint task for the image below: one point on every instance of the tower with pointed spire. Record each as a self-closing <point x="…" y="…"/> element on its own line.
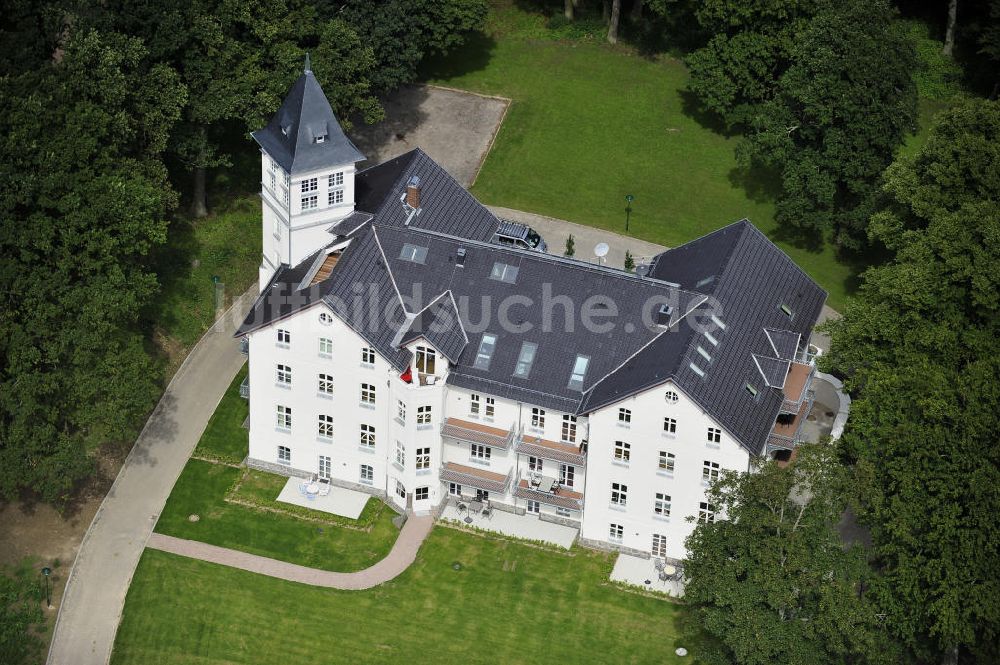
<point x="307" y="175"/>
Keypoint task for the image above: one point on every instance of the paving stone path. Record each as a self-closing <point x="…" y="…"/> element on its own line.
<point x="403" y="553"/>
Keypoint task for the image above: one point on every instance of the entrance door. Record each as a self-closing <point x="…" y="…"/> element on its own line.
<point x="325" y="467"/>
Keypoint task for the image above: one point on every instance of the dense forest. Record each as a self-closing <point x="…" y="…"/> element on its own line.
<point x="114" y="114"/>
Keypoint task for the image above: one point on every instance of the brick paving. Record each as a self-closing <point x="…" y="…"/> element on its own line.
<point x="403" y="553"/>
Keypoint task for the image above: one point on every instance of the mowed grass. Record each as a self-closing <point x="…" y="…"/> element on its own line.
<point x="201" y="490"/>
<point x="224" y="438"/>
<point x="509" y="603"/>
<point x="590" y="123"/>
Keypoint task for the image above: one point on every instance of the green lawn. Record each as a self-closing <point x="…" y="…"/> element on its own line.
<point x="590" y="123"/>
<point x="224" y="438"/>
<point x="201" y="490"/>
<point x="509" y="603"/>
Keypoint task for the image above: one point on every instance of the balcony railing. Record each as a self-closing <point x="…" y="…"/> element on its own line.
<point x="798" y="386"/>
<point x="245" y="388"/>
<point x="245" y="345"/>
<point x="534" y="446"/>
<point x="788" y="435"/>
<point x="548" y="491"/>
<point x="472" y="477"/>
<point x="476" y="433"/>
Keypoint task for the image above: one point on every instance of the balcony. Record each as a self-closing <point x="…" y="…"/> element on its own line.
<point x="566" y="453"/>
<point x="548" y="491"/>
<point x="475" y="433"/>
<point x="797" y="386"/>
<point x="245" y="388"/>
<point x="472" y="477"/>
<point x="785" y="434"/>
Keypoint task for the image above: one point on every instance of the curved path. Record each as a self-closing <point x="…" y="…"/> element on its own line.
<point x="95" y="591"/>
<point x="403" y="553"/>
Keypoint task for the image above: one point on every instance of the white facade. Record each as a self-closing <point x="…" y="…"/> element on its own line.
<point x="662" y="473"/>
<point x="297" y="211"/>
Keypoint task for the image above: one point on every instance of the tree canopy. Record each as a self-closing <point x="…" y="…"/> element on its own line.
<point x="85" y="200"/>
<point x="772" y="583"/>
<point x="919" y="348"/>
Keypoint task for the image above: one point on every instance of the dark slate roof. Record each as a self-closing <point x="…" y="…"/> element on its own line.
<point x="773" y="370"/>
<point x="372" y="185"/>
<point x="783" y="342"/>
<point x="751" y="283"/>
<point x="445" y="206"/>
<point x="440" y="324"/>
<point x="289" y="138"/>
<point x="282" y="297"/>
<point x="350" y="224"/>
<point x="479" y="298"/>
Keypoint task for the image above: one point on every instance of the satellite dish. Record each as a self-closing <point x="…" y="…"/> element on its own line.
<point x="601" y="250"/>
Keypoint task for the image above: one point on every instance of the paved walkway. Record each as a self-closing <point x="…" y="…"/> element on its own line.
<point x="95" y="591"/>
<point x="403" y="553"/>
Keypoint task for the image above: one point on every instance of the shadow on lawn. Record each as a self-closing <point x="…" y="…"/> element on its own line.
<point x="692" y="108"/>
<point x="472" y="56"/>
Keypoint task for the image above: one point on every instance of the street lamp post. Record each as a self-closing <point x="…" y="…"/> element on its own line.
<point x="628" y="209"/>
<point x="46" y="571"/>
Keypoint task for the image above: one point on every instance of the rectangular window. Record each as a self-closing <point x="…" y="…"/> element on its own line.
<point x="284" y="374"/>
<point x="569" y="428"/>
<point x="625" y="416"/>
<point x="400" y="454"/>
<point x="273" y="181"/>
<point x="491" y="407"/>
<point x="284" y="337"/>
<point x="579" y="372"/>
<point x="616" y="532"/>
<point x="325" y="346"/>
<point x="367" y="474"/>
<point x="787" y="311"/>
<point x="368" y="355"/>
<point x="367" y="393"/>
<point x="325" y="384"/>
<point x="276" y="231"/>
<point x="503" y="272"/>
<point x="666" y="461"/>
<point x="659" y="546"/>
<point x="284" y="455"/>
<point x="400" y="411"/>
<point x="485" y="353"/>
<point x="661" y="506"/>
<point x="704" y="354"/>
<point x="336" y="179"/>
<point x="533" y="507"/>
<point x="619" y="494"/>
<point x="562" y="512"/>
<point x="421" y="494"/>
<point x="425" y="360"/>
<point x="480" y="452"/>
<point x="368" y="436"/>
<point x="566" y="474"/>
<point x="334" y="197"/>
<point x="310" y="202"/>
<point x="325" y="467"/>
<point x="413" y="253"/>
<point x="400" y="490"/>
<point x="310" y="185"/>
<point x="709" y="471"/>
<point x="423" y="458"/>
<point x="714" y="435"/>
<point x="670" y="426"/>
<point x="423" y="415"/>
<point x="482" y="495"/>
<point x="538" y="418"/>
<point x="706" y="513"/>
<point x="623" y="451"/>
<point x="474" y="404"/>
<point x="697" y="370"/>
<point x="285" y="417"/>
<point x="325" y="426"/>
<point x="454" y="489"/>
<point x="535" y="464"/>
<point x="525" y="359"/>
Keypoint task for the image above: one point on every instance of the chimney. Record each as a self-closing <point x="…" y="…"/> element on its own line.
<point x="413" y="192"/>
<point x="460" y="258"/>
<point x="663" y="315"/>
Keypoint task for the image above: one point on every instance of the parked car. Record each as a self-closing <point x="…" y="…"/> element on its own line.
<point x="515" y="234"/>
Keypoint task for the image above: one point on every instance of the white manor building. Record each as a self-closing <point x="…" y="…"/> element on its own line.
<point x="395" y="348"/>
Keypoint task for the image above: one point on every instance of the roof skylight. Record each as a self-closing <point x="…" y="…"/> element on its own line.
<point x="485" y="354"/>
<point x="697" y="370"/>
<point x="413" y="253"/>
<point x="504" y="272"/>
<point x="579" y="372"/>
<point x="525" y="359"/>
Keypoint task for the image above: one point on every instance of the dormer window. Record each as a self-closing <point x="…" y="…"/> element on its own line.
<point x="321" y="138"/>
